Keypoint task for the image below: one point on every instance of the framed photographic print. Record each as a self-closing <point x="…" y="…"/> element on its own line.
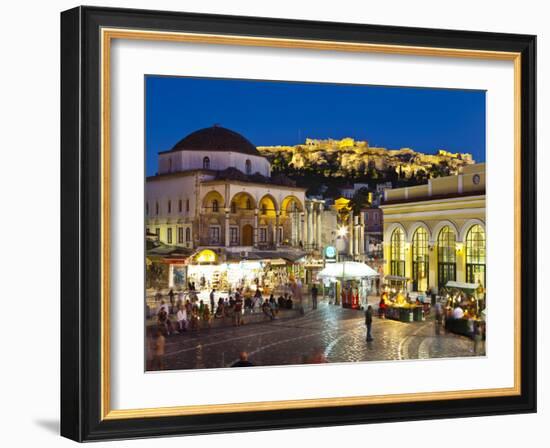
<point x="276" y="224"/>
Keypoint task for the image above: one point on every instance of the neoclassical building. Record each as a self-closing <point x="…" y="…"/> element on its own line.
<point x="214" y="189"/>
<point x="435" y="233"/>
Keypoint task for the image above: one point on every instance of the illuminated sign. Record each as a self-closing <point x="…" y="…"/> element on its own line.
<point x="330" y="252"/>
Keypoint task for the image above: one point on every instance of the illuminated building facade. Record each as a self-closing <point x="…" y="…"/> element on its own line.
<point x="435" y="233"/>
<point x="213" y="189"/>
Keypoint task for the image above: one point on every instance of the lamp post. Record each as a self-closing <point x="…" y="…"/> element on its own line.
<point x="340" y="243"/>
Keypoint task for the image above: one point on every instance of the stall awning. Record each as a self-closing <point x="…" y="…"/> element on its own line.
<point x="157" y="249"/>
<point x="396" y="278"/>
<point x="461" y="285"/>
<point x="347" y="270"/>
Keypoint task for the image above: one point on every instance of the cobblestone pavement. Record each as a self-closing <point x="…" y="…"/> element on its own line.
<point x="337" y="333"/>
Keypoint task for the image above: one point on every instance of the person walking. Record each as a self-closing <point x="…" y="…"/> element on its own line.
<point x="238" y="312"/>
<point x="182" y="319"/>
<point x="368" y="323"/>
<point x="212" y="303"/>
<point x="171" y="295"/>
<point x="314" y="293"/>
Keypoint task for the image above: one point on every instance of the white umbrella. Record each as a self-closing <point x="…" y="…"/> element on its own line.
<point x="347" y="270"/>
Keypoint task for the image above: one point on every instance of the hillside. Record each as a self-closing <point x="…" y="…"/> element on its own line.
<point x="347" y="161"/>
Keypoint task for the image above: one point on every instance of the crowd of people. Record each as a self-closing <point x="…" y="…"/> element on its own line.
<point x="180" y="315"/>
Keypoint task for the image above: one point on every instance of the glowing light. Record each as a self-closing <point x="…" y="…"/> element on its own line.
<point x="207" y="256"/>
<point x="342" y="231"/>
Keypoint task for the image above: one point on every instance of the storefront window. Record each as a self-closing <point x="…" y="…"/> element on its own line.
<point x="397" y="266"/>
<point x="446" y="256"/>
<point x="475" y="255"/>
<point x="420" y="267"/>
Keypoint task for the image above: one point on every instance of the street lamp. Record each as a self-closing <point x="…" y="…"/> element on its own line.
<point x="342" y="231"/>
<point x="340" y="243"/>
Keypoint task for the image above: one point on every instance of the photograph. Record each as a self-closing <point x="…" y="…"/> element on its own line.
<point x="295" y="223"/>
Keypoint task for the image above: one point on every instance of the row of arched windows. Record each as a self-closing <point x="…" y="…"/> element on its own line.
<point x="446" y="256"/>
<point x="180" y="205"/>
<point x="247" y="165"/>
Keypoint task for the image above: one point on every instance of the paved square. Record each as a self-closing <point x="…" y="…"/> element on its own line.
<point x="330" y="332"/>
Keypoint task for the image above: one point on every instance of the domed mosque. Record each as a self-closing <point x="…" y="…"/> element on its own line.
<point x="214" y="190"/>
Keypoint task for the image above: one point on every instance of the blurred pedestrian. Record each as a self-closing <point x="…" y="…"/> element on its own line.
<point x="238" y="312"/>
<point x="212" y="303"/>
<point x="243" y="361"/>
<point x="368" y="323"/>
<point x="159" y="343"/>
<point x="314" y="293"/>
<point x="182" y="319"/>
<point x="318" y="357"/>
<point x="171" y="295"/>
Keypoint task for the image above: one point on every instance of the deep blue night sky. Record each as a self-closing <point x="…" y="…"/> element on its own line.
<point x="285" y="113"/>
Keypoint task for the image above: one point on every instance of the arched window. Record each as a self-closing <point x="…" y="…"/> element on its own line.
<point x="475" y="255"/>
<point x="248" y="204"/>
<point x="420" y="266"/>
<point x="233" y="207"/>
<point x="397" y="262"/>
<point x="446" y="256"/>
<point x="188" y="234"/>
<point x="248" y="167"/>
<point x="206" y="163"/>
<point x="215" y="206"/>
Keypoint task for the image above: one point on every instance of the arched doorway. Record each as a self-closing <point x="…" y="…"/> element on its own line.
<point x="420" y="267"/>
<point x="397" y="260"/>
<point x="446" y="256"/>
<point x="247" y="235"/>
<point x="475" y="255"/>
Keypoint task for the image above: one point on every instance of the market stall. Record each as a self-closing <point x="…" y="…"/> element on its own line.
<point x="351" y="279"/>
<point x="403" y="308"/>
<point x="463" y="313"/>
